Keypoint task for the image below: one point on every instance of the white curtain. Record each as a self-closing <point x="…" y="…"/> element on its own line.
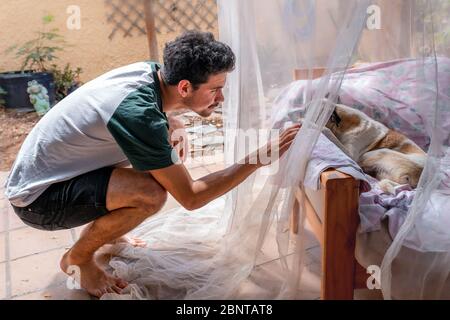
<point x="241" y="246"/>
<point x="428" y="220"/>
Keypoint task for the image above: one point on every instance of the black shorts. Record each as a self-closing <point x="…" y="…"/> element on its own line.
<point x="69" y="204"/>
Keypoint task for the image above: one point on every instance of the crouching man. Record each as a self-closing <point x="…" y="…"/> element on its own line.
<point x="70" y="170"/>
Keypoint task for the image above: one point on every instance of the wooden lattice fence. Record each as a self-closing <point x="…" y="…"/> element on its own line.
<point x="128" y="16"/>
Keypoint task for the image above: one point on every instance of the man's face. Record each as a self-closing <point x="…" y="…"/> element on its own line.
<point x="207" y="96"/>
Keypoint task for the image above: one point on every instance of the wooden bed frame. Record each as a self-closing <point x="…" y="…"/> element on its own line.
<point x="332" y="212"/>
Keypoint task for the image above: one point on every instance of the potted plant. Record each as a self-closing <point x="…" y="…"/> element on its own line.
<point x="66" y="80"/>
<point x="36" y="55"/>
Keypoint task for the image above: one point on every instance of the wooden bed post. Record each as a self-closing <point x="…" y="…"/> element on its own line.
<point x="333" y="214"/>
<point x="151" y="30"/>
<point x="339" y="235"/>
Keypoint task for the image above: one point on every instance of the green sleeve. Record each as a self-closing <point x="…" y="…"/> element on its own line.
<point x="141" y="130"/>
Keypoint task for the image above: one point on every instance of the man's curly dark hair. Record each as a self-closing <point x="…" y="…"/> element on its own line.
<point x="194" y="56"/>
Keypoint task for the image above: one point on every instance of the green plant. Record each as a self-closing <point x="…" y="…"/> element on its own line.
<point x="38" y="52"/>
<point x="65" y="79"/>
<point x="2" y="93"/>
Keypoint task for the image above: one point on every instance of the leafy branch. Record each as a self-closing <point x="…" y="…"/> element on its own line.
<point x="38" y="52"/>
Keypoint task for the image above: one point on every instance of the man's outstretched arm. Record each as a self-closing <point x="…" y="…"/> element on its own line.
<point x="194" y="194"/>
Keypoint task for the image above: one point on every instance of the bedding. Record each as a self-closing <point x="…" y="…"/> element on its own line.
<point x="389" y="93"/>
<point x="374" y="204"/>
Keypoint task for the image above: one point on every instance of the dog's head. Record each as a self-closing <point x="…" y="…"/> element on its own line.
<point x="343" y="119"/>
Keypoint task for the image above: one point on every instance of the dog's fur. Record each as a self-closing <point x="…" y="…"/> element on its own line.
<point x="385" y="154"/>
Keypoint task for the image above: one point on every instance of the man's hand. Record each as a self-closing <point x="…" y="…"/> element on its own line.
<point x="178" y="137"/>
<point x="275" y="148"/>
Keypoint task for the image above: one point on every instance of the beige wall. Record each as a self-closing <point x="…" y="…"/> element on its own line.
<point x="91" y="50"/>
<point x="393" y="40"/>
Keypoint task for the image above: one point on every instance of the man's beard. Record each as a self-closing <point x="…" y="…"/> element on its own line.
<point x="207" y="112"/>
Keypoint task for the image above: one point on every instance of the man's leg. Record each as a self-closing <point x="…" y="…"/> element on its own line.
<point x="132" y="197"/>
<point x="135" y="242"/>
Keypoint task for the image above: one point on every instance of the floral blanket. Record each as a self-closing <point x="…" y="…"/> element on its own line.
<point x="398" y="94"/>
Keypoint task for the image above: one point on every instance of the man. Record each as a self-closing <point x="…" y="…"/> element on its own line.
<point x="70" y="169"/>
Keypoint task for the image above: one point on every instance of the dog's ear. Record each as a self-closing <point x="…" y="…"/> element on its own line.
<point x="335" y="118"/>
<point x="338" y="98"/>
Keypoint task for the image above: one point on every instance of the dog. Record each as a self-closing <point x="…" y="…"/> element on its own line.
<point x="385" y="154"/>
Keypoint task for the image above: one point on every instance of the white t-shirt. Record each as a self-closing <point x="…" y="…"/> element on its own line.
<point x="112" y="120"/>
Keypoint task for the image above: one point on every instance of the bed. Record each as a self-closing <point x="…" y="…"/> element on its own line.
<point x="332" y="211"/>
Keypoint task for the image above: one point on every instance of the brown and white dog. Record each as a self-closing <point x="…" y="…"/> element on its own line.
<point x="385" y="154"/>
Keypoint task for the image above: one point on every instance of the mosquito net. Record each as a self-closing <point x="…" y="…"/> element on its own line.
<point x="388" y="59"/>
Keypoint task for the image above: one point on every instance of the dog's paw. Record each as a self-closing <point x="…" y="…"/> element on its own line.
<point x="388" y="186"/>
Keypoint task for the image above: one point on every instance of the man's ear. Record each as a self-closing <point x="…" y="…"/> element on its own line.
<point x="184" y="88"/>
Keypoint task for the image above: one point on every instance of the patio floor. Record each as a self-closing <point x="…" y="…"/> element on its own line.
<point x="29" y="258"/>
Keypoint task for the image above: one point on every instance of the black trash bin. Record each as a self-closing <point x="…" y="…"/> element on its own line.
<point x="16" y="83"/>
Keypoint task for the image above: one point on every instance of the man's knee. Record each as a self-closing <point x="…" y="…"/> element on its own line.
<point x="160" y="198"/>
<point x="153" y="197"/>
<point x="130" y="188"/>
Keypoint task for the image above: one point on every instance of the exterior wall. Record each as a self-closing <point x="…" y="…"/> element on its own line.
<point x="91" y="48"/>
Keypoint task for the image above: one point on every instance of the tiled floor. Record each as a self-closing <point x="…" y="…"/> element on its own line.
<point x="29" y="258"/>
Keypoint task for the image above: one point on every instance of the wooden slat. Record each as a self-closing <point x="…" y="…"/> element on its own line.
<point x="294" y="216"/>
<point x="304" y="74"/>
<point x="311" y="216"/>
<point x="314" y="221"/>
<point x="151" y="31"/>
<point x="361" y="277"/>
<point x="339" y="227"/>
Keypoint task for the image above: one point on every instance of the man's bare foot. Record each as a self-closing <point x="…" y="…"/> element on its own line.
<point x="92" y="278"/>
<point x="135" y="242"/>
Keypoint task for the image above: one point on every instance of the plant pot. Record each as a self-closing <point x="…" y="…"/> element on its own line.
<point x="73" y="87"/>
<point x="16" y="83"/>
